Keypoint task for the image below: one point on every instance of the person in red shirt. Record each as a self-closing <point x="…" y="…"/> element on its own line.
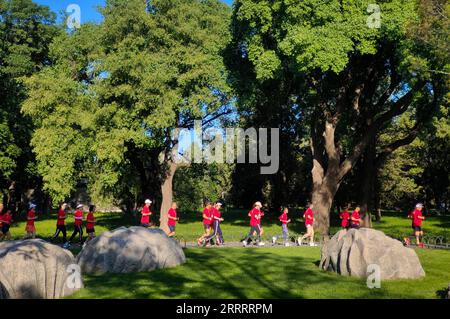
<point x="255" y="228"/>
<point x="61" y="223"/>
<point x="6" y="219"/>
<point x="309" y="222"/>
<point x="217" y="231"/>
<point x="172" y="219"/>
<point x="30" y="228"/>
<point x="207" y="222"/>
<point x="146" y="213"/>
<point x="417" y="218"/>
<point x="355" y="218"/>
<point x="345" y="216"/>
<point x="284" y="219"/>
<point x="78" y="226"/>
<point x="90" y="222"/>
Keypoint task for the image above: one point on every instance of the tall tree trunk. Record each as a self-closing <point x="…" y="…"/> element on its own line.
<point x="369" y="171"/>
<point x="322" y="199"/>
<point x="167" y="195"/>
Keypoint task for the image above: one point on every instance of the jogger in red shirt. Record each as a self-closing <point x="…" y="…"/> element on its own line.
<point x="61" y="223"/>
<point x="207" y="222"/>
<point x="172" y="219"/>
<point x="217" y="231"/>
<point x="309" y="222"/>
<point x="90" y="222"/>
<point x="30" y="228"/>
<point x="417" y="219"/>
<point x="78" y="226"/>
<point x="146" y="213"/>
<point x="255" y="222"/>
<point x="6" y="219"/>
<point x="355" y="218"/>
<point x="284" y="219"/>
<point x="345" y="216"/>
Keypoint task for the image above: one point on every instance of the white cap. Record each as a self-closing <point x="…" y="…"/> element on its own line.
<point x="419" y="205"/>
<point x="258" y="204"/>
<point x="148" y="201"/>
<point x="219" y="203"/>
<point x="79" y="206"/>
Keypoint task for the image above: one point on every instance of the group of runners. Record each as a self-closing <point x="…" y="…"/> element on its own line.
<point x="212" y="219"/>
<point x="6" y="219"/>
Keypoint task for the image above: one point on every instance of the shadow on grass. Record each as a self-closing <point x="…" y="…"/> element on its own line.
<point x="225" y="274"/>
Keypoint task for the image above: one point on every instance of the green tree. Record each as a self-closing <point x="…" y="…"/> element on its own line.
<point x="350" y="76"/>
<point x="121" y="88"/>
<point x="26" y="29"/>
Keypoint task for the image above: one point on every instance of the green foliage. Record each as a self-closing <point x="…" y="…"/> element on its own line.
<point x="194" y="184"/>
<point x="26" y="29"/>
<point x="120" y="88"/>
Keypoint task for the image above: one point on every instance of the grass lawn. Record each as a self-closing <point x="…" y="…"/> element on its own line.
<point x="257" y="273"/>
<point x="262" y="273"/>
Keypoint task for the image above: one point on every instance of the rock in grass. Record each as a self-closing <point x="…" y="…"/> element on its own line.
<point x="351" y="253"/>
<point x="127" y="250"/>
<point x="35" y="269"/>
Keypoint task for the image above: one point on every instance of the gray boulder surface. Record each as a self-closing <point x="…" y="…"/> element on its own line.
<point x="351" y="253"/>
<point x="127" y="250"/>
<point x="35" y="269"/>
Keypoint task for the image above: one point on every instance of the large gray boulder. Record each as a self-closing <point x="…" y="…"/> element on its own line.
<point x="35" y="269"/>
<point x="133" y="249"/>
<point x="351" y="253"/>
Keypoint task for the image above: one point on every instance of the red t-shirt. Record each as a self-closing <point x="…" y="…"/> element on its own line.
<point x="78" y="217"/>
<point x="416" y="220"/>
<point x="283" y="218"/>
<point x="309" y="215"/>
<point x="61" y="217"/>
<point x="216" y="213"/>
<point x="255" y="217"/>
<point x="7" y="219"/>
<point x="145" y="219"/>
<point x="355" y="214"/>
<point x="90" y="220"/>
<point x="31" y="214"/>
<point x="172" y="213"/>
<point x="208" y="213"/>
<point x="345" y="216"/>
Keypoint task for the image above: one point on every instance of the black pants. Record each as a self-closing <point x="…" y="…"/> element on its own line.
<point x="253" y="229"/>
<point x="78" y="230"/>
<point x="60" y="229"/>
<point x="217" y="233"/>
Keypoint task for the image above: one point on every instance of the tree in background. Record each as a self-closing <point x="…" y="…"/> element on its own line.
<point x="107" y="106"/>
<point x="26" y="30"/>
<point x="349" y="77"/>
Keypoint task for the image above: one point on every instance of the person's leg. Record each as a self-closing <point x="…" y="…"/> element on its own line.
<point x="56" y="234"/>
<point x="64" y="232"/>
<point x="285" y="233"/>
<point x="80" y="231"/>
<point x="311" y="234"/>
<point x="250" y="235"/>
<point x="75" y="232"/>
<point x="258" y="234"/>
<point x="219" y="234"/>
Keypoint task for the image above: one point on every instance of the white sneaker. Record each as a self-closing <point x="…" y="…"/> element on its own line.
<point x="274" y="240"/>
<point x="261" y="244"/>
<point x="312" y="245"/>
<point x="244" y="242"/>
<point x="287" y="244"/>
